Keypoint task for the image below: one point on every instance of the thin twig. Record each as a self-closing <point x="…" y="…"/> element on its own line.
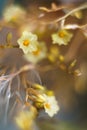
<point x="84" y="6"/>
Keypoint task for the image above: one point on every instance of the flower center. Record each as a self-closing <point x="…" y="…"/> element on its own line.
<point x="36" y="52"/>
<point x="61" y="34"/>
<point x="26" y="42"/>
<point x="47" y="105"/>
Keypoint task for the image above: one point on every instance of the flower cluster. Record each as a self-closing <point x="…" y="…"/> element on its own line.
<point x="33" y="50"/>
<point x="37" y="55"/>
<point x="37" y="42"/>
<point x="47" y="101"/>
<point x="37" y="94"/>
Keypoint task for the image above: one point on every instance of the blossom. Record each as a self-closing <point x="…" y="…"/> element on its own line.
<point x="50" y="105"/>
<point x="13" y="12"/>
<point x="25" y="119"/>
<point x="37" y="55"/>
<point x="28" y="42"/>
<point x="62" y="37"/>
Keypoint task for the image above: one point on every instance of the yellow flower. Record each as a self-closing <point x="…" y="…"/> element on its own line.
<point x="25" y="120"/>
<point x="53" y="53"/>
<point x="50" y="105"/>
<point x="12" y="13"/>
<point x="62" y="37"/>
<point x="28" y="42"/>
<point x="38" y="54"/>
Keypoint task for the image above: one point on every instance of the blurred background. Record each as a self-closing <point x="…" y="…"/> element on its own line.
<point x="70" y="91"/>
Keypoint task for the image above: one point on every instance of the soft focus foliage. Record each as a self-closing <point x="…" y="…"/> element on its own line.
<point x="43" y="64"/>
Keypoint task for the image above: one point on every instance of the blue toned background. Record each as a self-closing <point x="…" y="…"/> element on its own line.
<point x="2" y="4"/>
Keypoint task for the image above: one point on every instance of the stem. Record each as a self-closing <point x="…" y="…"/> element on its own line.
<point x="8" y="46"/>
<point x="24" y="68"/>
<point x="75" y="45"/>
<point x="84" y="6"/>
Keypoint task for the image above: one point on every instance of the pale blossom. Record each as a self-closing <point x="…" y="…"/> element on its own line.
<point x="13" y="12"/>
<point x="28" y="42"/>
<point x="37" y="55"/>
<point x="50" y="105"/>
<point x="25" y="120"/>
<point x="62" y="37"/>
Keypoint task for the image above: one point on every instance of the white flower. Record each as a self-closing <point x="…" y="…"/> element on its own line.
<point x="12" y="13"/>
<point x="28" y="42"/>
<point x="50" y="105"/>
<point x="62" y="37"/>
<point x="37" y="55"/>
